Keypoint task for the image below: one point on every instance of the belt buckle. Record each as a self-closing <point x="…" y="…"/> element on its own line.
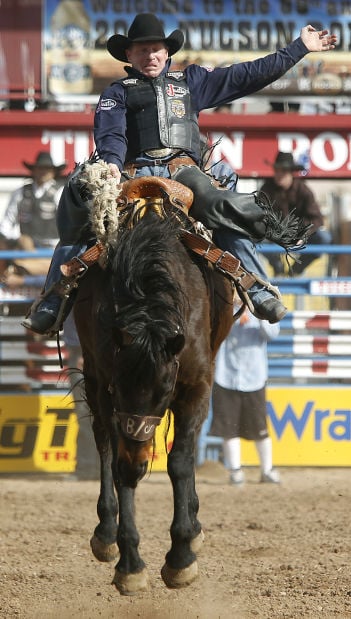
<point x="218" y="263"/>
<point x="158" y="153"/>
<point x="83" y="266"/>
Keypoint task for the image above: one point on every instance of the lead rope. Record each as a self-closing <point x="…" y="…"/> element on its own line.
<point x="58" y="344"/>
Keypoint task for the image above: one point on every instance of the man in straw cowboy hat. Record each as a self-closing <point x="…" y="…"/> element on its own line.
<point x="147" y="124"/>
<point x="289" y="193"/>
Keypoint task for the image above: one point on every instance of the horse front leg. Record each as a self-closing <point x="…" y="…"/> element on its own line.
<point x="130" y="572"/>
<point x="129" y="466"/>
<point x="181" y="568"/>
<point x="103" y="543"/>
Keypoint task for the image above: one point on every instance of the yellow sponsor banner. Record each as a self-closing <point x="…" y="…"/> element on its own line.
<point x="309" y="426"/>
<point x="38" y="432"/>
<point x="163" y="444"/>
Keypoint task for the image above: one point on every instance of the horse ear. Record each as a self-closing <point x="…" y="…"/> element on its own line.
<point x="175" y="344"/>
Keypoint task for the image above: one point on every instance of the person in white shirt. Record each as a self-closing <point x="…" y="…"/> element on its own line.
<point x="239" y="395"/>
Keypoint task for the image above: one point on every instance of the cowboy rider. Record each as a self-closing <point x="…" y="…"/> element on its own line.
<point x="146" y="124"/>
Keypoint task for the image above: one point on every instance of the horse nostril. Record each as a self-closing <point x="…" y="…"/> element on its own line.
<point x="131" y="473"/>
<point x="142" y="469"/>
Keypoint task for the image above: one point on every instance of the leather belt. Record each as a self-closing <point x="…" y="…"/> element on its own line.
<point x="173" y="164"/>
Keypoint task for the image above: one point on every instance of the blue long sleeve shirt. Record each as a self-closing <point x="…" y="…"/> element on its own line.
<point x="208" y="89"/>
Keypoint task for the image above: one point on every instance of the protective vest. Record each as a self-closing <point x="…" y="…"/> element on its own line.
<point x="160" y="114"/>
<point x="37" y="216"/>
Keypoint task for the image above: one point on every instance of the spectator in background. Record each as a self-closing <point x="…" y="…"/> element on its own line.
<point x="239" y="395"/>
<point x="289" y="193"/>
<point x="30" y="218"/>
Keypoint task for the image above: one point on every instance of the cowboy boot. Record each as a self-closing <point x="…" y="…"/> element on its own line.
<point x="45" y="311"/>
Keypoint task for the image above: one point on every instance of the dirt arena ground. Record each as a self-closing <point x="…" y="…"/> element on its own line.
<point x="269" y="551"/>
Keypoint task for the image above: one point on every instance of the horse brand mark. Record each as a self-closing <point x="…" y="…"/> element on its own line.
<point x="137" y="427"/>
<point x="143" y="427"/>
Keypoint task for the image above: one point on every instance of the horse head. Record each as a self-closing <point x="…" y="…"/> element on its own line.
<point x="144" y="379"/>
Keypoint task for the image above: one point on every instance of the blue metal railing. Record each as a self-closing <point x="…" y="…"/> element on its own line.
<point x="272" y="248"/>
<point x="335" y="287"/>
<point x="14" y="254"/>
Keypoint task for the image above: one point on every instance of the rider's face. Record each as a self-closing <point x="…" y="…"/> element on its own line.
<point x="148" y="57"/>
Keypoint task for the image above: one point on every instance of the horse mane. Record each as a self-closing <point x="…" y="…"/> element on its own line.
<point x="148" y="297"/>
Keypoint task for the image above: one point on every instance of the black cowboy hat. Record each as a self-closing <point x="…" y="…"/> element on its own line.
<point x="145" y="27"/>
<point x="285" y="161"/>
<point x="44" y="159"/>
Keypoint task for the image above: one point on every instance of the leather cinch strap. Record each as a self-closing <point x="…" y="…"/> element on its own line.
<point x="79" y="264"/>
<point x="222" y="260"/>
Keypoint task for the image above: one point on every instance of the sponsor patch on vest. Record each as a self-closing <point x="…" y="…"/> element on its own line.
<point x="106" y="104"/>
<point x="178" y="108"/>
<point x="172" y="90"/>
<point x="177" y="75"/>
<point x="130" y="80"/>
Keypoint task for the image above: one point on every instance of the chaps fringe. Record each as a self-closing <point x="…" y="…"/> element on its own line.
<point x="284" y="231"/>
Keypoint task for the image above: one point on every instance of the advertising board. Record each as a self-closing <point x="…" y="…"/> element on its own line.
<point x="309" y="426"/>
<point x="216" y="32"/>
<point x="38" y="433"/>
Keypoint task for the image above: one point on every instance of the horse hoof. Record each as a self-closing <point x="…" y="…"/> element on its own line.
<point x="197" y="542"/>
<point x="175" y="579"/>
<point x="103" y="552"/>
<point x="131" y="584"/>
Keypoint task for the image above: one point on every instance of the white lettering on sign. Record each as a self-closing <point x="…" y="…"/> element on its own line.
<point x="59" y="139"/>
<point x="338" y="149"/>
<point x="296" y="143"/>
<point x="329" y="151"/>
<point x="229" y="147"/>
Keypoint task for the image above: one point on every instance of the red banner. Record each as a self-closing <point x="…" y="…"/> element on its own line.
<point x="249" y="143"/>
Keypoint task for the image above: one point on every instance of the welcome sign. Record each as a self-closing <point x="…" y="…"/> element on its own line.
<point x="217" y="32"/>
